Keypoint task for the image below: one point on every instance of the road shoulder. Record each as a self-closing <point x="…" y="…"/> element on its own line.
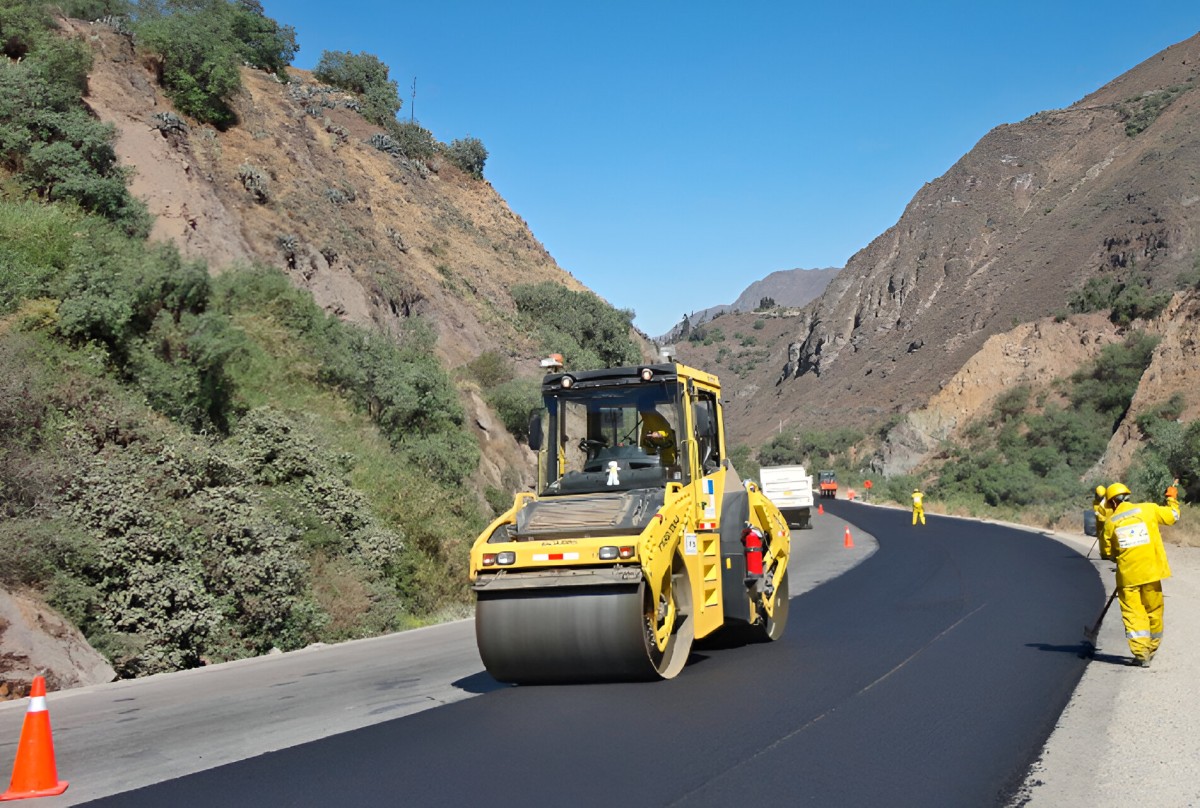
<point x="1129" y="733"/>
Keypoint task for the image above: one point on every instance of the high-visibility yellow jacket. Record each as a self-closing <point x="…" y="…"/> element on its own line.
<point x="1131" y="537"/>
<point x="918" y="500"/>
<point x="1100" y="508"/>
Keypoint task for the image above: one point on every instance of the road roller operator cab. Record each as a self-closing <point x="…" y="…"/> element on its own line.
<point x="640" y="536"/>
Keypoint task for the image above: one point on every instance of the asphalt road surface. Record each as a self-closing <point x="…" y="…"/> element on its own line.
<point x="928" y="675"/>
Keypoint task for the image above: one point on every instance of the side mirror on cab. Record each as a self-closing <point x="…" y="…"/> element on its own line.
<point x="535" y="431"/>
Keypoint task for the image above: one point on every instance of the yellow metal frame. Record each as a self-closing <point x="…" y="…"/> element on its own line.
<point x="673" y="533"/>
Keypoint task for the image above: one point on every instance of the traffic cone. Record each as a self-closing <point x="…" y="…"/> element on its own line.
<point x="821" y="508"/>
<point x="34" y="772"/>
<point x="848" y="542"/>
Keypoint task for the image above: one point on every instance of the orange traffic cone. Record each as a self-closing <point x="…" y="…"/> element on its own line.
<point x="848" y="542"/>
<point x="821" y="508"/>
<point x="34" y="772"/>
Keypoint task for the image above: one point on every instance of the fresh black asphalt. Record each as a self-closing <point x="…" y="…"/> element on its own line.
<point x="929" y="675"/>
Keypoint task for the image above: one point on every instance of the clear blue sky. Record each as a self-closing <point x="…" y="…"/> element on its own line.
<point x="668" y="154"/>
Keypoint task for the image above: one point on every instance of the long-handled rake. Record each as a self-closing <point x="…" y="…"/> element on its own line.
<point x="1090" y="634"/>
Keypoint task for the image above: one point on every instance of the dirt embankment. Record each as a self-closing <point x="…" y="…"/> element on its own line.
<point x="35" y="640"/>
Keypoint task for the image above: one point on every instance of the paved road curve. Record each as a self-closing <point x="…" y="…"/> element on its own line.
<point x="928" y="675"/>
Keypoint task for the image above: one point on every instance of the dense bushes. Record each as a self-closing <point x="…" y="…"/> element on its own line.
<point x="583" y="328"/>
<point x="400" y="384"/>
<point x="808" y="446"/>
<point x="171" y="547"/>
<point x="1107" y="385"/>
<point x="513" y="399"/>
<point x="367" y="77"/>
<point x="1171" y="451"/>
<point x="1020" y="456"/>
<point x="1126" y="300"/>
<point x="54" y="149"/>
<point x="203" y="44"/>
<point x="1139" y="112"/>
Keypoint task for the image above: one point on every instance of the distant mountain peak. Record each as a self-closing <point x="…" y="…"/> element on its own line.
<point x="792" y="288"/>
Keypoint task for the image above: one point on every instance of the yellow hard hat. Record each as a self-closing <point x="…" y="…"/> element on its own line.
<point x="1115" y="490"/>
<point x="1099" y="490"/>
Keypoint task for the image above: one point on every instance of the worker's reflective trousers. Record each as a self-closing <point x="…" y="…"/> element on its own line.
<point x="918" y="513"/>
<point x="1142" y="613"/>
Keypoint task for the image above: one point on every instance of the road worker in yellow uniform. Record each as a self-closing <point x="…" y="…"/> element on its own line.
<point x="918" y="506"/>
<point x="1131" y="538"/>
<point x="1100" y="508"/>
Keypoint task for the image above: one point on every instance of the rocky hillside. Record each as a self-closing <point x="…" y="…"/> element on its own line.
<point x="304" y="183"/>
<point x="298" y="184"/>
<point x="1106" y="188"/>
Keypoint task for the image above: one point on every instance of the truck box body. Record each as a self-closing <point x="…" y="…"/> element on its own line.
<point x="791" y="489"/>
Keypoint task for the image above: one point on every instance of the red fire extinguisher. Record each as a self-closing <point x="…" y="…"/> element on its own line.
<point x="752" y="539"/>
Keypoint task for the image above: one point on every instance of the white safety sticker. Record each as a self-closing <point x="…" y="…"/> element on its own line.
<point x="1134" y="535"/>
<point x="690" y="546"/>
<point x="556" y="556"/>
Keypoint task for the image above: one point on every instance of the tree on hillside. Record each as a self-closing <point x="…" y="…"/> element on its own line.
<point x="469" y="154"/>
<point x="203" y="44"/>
<point x="366" y="76"/>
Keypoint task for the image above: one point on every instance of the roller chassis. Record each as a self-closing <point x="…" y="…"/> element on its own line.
<point x="560" y="610"/>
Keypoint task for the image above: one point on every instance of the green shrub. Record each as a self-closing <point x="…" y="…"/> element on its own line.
<point x="469" y="154"/>
<point x="399" y="383"/>
<point x="1126" y="300"/>
<point x="809" y="446"/>
<point x="96" y="9"/>
<point x="1168" y="410"/>
<point x="1138" y="113"/>
<point x="1172" y="450"/>
<point x="899" y="488"/>
<point x="1107" y="386"/>
<point x="742" y="458"/>
<point x="38" y="242"/>
<point x="583" y="328"/>
<point x="412" y="140"/>
<point x="707" y="335"/>
<point x="366" y="76"/>
<point x="513" y="402"/>
<point x="53" y="147"/>
<point x="491" y="369"/>
<point x="1011" y="403"/>
<point x="1097" y="294"/>
<point x="203" y="43"/>
<point x="1137" y="303"/>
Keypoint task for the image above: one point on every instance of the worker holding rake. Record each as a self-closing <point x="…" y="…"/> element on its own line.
<point x="1132" y="539"/>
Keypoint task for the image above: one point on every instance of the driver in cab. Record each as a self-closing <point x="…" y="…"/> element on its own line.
<point x="657" y="437"/>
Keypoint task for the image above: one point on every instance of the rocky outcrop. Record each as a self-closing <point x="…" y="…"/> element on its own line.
<point x="1031" y="354"/>
<point x="35" y="640"/>
<point x="1174" y="368"/>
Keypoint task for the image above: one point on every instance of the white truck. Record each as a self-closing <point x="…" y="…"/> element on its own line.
<point x="790" y="488"/>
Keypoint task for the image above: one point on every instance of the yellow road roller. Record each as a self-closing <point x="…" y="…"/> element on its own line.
<point x="640" y="538"/>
